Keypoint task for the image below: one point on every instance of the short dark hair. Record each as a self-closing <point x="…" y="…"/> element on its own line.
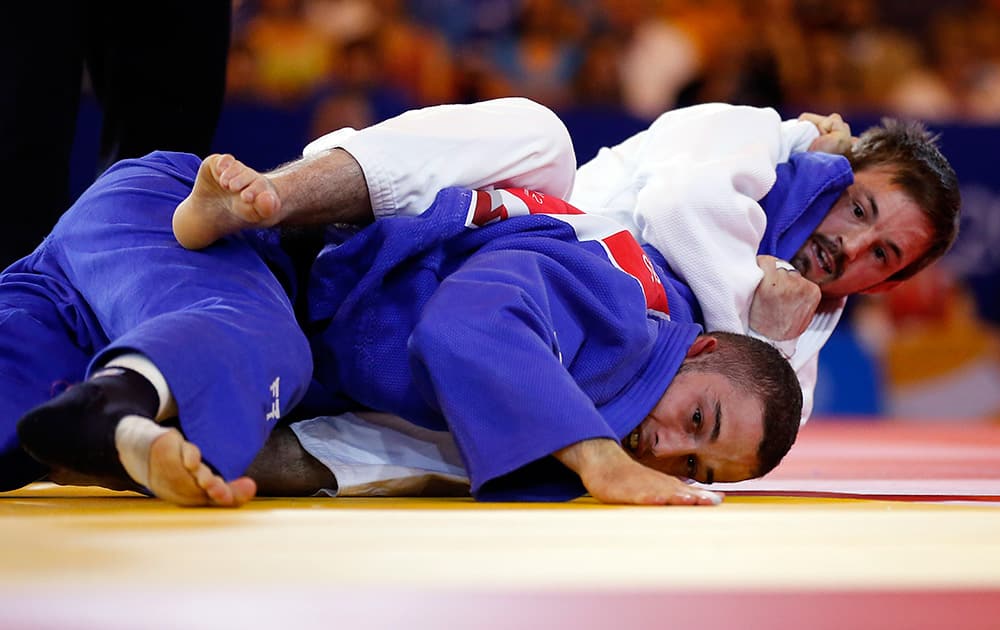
<point x="922" y="171"/>
<point x="757" y="368"/>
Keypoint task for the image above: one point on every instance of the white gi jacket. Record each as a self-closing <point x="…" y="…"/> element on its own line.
<point x="689" y="186"/>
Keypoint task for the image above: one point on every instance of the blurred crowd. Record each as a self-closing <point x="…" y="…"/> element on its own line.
<point x="358" y="61"/>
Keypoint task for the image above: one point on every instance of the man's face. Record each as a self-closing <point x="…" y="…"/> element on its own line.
<point x="703" y="428"/>
<point x="873" y="230"/>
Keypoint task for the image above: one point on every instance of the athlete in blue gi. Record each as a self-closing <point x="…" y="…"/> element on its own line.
<point x="549" y="333"/>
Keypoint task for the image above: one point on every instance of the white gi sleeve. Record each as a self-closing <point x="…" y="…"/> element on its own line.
<point x="609" y="183"/>
<point x="796" y="136"/>
<point x="506" y="143"/>
<point x="691" y="184"/>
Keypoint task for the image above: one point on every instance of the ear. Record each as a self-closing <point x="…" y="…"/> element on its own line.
<point x="882" y="287"/>
<point x="702" y="344"/>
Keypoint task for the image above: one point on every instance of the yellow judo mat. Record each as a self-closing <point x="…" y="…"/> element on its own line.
<point x="89" y="558"/>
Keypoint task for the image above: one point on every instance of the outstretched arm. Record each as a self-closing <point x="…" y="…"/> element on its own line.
<point x="506" y="310"/>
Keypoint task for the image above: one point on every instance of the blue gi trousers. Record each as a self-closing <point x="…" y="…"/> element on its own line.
<point x="111" y="279"/>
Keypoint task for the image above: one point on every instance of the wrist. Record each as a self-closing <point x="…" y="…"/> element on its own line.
<point x="586" y="456"/>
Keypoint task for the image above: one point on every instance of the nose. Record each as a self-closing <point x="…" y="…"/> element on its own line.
<point x="853" y="243"/>
<point x="670" y="442"/>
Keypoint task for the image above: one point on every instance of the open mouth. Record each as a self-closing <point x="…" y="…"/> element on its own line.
<point x="631" y="442"/>
<point x="823" y="258"/>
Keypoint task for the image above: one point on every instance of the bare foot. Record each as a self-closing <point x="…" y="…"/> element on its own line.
<point x="228" y="196"/>
<point x="177" y="474"/>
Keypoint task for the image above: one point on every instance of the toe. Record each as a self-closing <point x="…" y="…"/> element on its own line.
<point x="190" y="457"/>
<point x="219" y="163"/>
<point x="243" y="490"/>
<point x="219" y="492"/>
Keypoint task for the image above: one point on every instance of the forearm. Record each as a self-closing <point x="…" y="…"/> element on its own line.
<point x="509" y="142"/>
<point x="399" y="165"/>
<point x="591" y="458"/>
<point x="323" y="189"/>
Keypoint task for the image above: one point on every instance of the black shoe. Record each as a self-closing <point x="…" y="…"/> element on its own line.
<point x="76" y="430"/>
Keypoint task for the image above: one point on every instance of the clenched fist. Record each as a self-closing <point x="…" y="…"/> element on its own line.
<point x="834" y="133"/>
<point x="784" y="302"/>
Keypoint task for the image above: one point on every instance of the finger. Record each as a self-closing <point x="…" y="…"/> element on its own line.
<point x="697" y="497"/>
<point x="840" y="125"/>
<point x="243" y="489"/>
<point x="824" y="124"/>
<point x="709" y="498"/>
<point x="267" y="205"/>
<point x="218" y="491"/>
<point x="190" y="457"/>
<point x="219" y="165"/>
<point x="241" y="177"/>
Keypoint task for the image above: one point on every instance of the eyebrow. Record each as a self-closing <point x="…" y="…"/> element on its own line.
<point x="895" y="249"/>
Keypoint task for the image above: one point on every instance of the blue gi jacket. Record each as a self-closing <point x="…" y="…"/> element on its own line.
<point x="521" y="337"/>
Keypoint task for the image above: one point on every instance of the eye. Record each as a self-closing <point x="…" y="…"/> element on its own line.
<point x="881" y="254"/>
<point x="692" y="466"/>
<point x="859" y="212"/>
<point x="696" y="420"/>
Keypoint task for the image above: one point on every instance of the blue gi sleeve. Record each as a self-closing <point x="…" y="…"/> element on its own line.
<point x="492" y="350"/>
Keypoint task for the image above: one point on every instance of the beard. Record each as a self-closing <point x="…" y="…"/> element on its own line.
<point x="801" y="261"/>
<point x="825" y="250"/>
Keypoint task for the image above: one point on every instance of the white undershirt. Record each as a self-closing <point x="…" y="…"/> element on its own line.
<point x="378" y="454"/>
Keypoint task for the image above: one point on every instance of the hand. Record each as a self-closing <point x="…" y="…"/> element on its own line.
<point x="834" y="134"/>
<point x="612" y="476"/>
<point x="784" y="302"/>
